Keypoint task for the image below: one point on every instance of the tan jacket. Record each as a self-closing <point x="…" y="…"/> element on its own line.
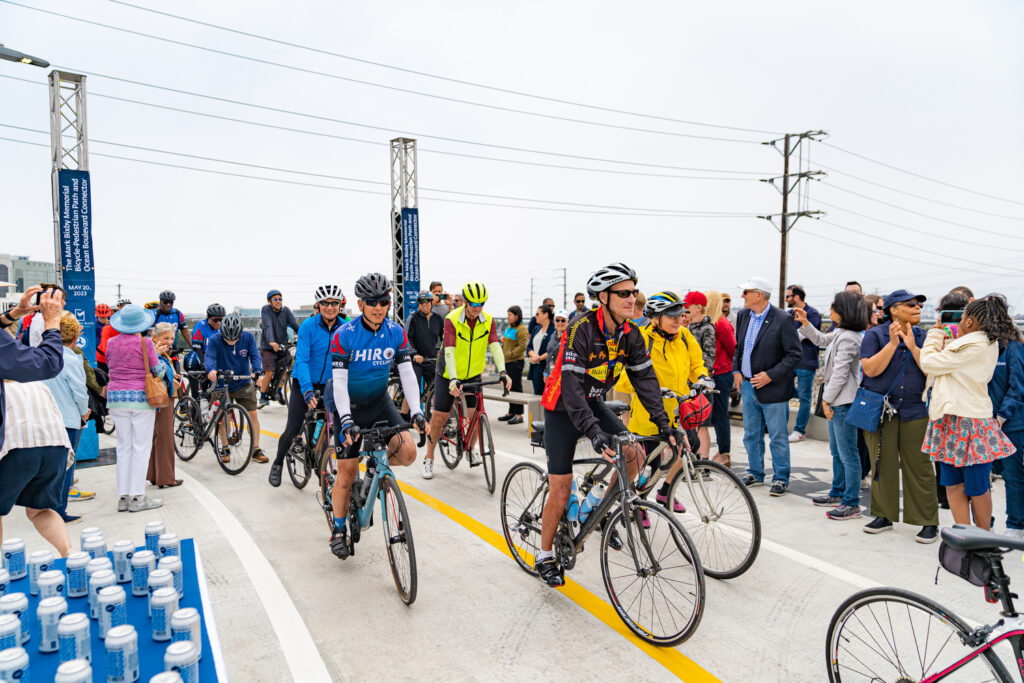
<point x="958" y="374"/>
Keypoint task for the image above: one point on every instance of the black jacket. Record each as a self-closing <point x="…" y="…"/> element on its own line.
<point x="537" y="369"/>
<point x="275" y="324"/>
<point x="424" y="335"/>
<point x="776" y="351"/>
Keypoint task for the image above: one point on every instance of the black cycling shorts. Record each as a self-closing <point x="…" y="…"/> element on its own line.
<point x="443" y="398"/>
<point x="424" y="372"/>
<point x="366" y="416"/>
<point x="561" y="435"/>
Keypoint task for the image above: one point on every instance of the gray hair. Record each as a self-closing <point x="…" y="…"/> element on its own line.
<point x="164" y="328"/>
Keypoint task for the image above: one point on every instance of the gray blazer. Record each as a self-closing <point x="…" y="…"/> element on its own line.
<point x="842" y="362"/>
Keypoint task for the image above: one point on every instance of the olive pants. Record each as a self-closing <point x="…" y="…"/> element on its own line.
<point x="901" y="442"/>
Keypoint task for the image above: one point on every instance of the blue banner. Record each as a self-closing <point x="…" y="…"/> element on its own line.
<point x="74" y="209"/>
<point x="411" y="257"/>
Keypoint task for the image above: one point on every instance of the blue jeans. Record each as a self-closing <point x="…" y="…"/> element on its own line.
<point x="69" y="477"/>
<point x="1013" y="476"/>
<point x="804" y="384"/>
<point x="846" y="473"/>
<point x="720" y="411"/>
<point x="758" y="418"/>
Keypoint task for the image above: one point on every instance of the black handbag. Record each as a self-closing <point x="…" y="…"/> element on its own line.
<point x="819" y="408"/>
<point x="868" y="406"/>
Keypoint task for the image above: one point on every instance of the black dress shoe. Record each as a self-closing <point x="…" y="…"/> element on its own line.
<point x="506" y="418"/>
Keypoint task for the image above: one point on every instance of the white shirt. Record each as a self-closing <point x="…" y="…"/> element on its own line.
<point x="33" y="419"/>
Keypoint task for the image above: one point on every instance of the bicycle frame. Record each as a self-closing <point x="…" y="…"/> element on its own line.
<point x="467" y="426"/>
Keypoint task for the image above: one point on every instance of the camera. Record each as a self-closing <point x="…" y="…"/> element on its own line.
<point x="46" y="288"/>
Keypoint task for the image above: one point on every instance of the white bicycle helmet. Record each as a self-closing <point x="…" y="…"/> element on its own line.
<point x="605" y="277"/>
<point x="324" y="292"/>
<point x="665" y="302"/>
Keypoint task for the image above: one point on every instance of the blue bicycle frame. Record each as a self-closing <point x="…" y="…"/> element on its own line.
<point x="383" y="469"/>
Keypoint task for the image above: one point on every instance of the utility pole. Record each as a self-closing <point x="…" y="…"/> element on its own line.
<point x="565" y="290"/>
<point x="118" y="292"/>
<point x="531" y="293"/>
<point x="405" y="226"/>
<point x="791" y="143"/>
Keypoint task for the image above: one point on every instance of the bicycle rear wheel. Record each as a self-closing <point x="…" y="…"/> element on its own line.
<point x="721" y="518"/>
<point x="888" y="634"/>
<point x="328" y="474"/>
<point x="450" y="442"/>
<point x="284" y="387"/>
<point x="487" y="452"/>
<point x="298" y="461"/>
<point x="188" y="428"/>
<point x="660" y="597"/>
<point x="427" y="401"/>
<point x="233" y="442"/>
<point x="523" y="495"/>
<point x="398" y="537"/>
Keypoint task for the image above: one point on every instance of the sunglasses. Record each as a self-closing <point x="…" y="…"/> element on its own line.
<point x="330" y="303"/>
<point x="579" y="301"/>
<point x="727" y="300"/>
<point x="276" y="298"/>
<point x="216" y="320"/>
<point x="378" y="301"/>
<point x="911" y="304"/>
<point x="624" y="293"/>
<point x="473" y="305"/>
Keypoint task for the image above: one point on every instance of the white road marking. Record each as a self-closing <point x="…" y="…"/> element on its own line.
<point x="303" y="659"/>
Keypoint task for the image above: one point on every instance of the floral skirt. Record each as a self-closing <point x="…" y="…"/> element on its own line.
<point x="963" y="441"/>
<point x="128" y="399"/>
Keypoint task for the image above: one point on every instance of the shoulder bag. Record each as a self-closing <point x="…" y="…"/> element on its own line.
<point x="156" y="392"/>
<point x="869" y="407"/>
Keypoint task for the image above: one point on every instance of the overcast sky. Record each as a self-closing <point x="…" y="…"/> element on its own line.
<point x="931" y="87"/>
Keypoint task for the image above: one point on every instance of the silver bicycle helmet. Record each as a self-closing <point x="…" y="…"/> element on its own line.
<point x="231" y="328"/>
<point x="611" y="274"/>
<point x="665" y="302"/>
<point x="324" y="292"/>
<point x="372" y="286"/>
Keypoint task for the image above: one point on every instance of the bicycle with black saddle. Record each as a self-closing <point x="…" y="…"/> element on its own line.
<point x="896" y="636"/>
<point x="652" y="570"/>
<point x="280" y="382"/>
<point x="307" y="449"/>
<point x="227" y="427"/>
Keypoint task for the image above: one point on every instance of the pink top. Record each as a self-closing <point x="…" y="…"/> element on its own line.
<point x="124" y="358"/>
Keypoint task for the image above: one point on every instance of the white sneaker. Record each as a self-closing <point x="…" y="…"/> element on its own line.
<point x="796" y="437"/>
<point x="474" y="459"/>
<point x="428" y="469"/>
<point x="1014" y="533"/>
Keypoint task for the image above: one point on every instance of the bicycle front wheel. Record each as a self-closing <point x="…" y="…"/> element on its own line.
<point x="398" y="537"/>
<point x="660" y="594"/>
<point x="298" y="462"/>
<point x="523" y="496"/>
<point x="285" y="387"/>
<point x="486" y="451"/>
<point x="232" y="439"/>
<point x="720" y="516"/>
<point x="888" y="634"/>
<point x="188" y="428"/>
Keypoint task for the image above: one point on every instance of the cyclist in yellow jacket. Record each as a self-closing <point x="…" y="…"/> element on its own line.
<point x="678" y="363"/>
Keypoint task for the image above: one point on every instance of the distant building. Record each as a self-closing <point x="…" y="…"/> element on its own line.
<point x="24" y="272"/>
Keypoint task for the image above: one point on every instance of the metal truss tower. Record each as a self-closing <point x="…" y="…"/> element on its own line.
<point x="69" y="141"/>
<point x="404" y="195"/>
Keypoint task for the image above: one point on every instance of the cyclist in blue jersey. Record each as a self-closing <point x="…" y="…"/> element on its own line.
<point x="312" y="368"/>
<point x="201" y="333"/>
<point x="362" y="352"/>
<point x="234" y="349"/>
<point x="167" y="313"/>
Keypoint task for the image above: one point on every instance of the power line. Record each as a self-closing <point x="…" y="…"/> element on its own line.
<point x="507" y="91"/>
<point x="389" y="131"/>
<point x="923" y="177"/>
<point x="325" y="74"/>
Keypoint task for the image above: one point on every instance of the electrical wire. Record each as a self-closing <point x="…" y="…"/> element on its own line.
<point x="492" y="88"/>
<point x="325" y="74"/>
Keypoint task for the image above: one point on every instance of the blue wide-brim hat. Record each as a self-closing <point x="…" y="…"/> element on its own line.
<point x="133" y="318"/>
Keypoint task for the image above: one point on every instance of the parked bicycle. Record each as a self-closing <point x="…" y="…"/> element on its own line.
<point x="377" y="483"/>
<point x="652" y="569"/>
<point x="226" y="426"/>
<point x="461" y="429"/>
<point x="280" y="382"/>
<point x="889" y="634"/>
<point x="307" y="449"/>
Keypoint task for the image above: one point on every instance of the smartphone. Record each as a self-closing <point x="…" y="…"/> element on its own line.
<point x="442" y="297"/>
<point x="951" y="316"/>
<point x="39" y="294"/>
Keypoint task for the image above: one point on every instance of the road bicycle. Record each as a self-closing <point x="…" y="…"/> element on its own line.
<point x="307" y="449"/>
<point x="378" y="483"/>
<point x="651" y="567"/>
<point x="426" y="391"/>
<point x="280" y="382"/>
<point x="461" y="429"/>
<point x="227" y="427"/>
<point x="889" y="634"/>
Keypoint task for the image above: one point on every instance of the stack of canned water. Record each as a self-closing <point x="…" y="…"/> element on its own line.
<point x="154" y="573"/>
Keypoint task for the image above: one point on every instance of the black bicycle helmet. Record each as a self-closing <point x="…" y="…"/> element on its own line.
<point x="424" y="297"/>
<point x="231" y="328"/>
<point x="372" y="286"/>
<point x="167" y="295"/>
<point x="215" y="311"/>
<point x="611" y="274"/>
<point x="668" y="303"/>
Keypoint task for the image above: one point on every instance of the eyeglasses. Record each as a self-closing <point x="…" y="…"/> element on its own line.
<point x="331" y="303"/>
<point x="377" y="301"/>
<point x="624" y="293"/>
<point x="276" y="298"/>
<point x="911" y="304"/>
<point x="473" y="305"/>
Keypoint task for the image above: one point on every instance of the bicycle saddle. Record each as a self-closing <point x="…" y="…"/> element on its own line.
<point x="972" y="538"/>
<point x="617" y="407"/>
<point x="538" y="425"/>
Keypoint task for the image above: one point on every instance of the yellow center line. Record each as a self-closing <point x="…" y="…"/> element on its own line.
<point x="671" y="658"/>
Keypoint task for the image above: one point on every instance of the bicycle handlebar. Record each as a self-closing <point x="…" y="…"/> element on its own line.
<point x="385" y="432"/>
<point x="473" y="386"/>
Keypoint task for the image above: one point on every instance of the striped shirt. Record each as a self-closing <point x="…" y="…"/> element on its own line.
<point x="756" y="320"/>
<point x="33" y="419"/>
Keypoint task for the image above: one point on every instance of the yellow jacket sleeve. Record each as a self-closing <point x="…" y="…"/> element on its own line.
<point x="623" y="384"/>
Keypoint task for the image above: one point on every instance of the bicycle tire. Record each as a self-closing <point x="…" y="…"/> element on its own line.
<point x="285" y="388"/>
<point x="662" y="524"/>
<point x="299" y="470"/>
<point x="398" y="538"/>
<point x="234" y="419"/>
<point x="451" y="453"/>
<point x="521" y="519"/>
<point x="328" y="474"/>
<point x="866" y="598"/>
<point x="188" y="433"/>
<point x="740" y="530"/>
<point x="487" y="452"/>
<point x="427" y="401"/>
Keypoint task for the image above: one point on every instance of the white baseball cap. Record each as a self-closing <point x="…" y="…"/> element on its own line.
<point x="560" y="313"/>
<point x="760" y="283"/>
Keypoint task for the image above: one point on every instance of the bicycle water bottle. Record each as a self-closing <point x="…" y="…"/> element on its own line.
<point x="573" y="506"/>
<point x="316" y="431"/>
<point x="214" y="405"/>
<point x="645" y="477"/>
<point x="592" y="500"/>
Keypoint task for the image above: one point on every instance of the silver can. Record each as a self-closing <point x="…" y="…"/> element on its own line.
<point x="113" y="609"/>
<point x="172" y="563"/>
<point x="13" y="550"/>
<point x="164" y="604"/>
<point x="14" y="665"/>
<point x="183" y="658"/>
<point x="186" y="624"/>
<point x="169" y="544"/>
<point x="5" y="580"/>
<point x="38" y="562"/>
<point x="74" y="636"/>
<point x="167" y="677"/>
<point x="51" y="584"/>
<point x="123" y="552"/>
<point x="97" y="565"/>
<point x="122" y="654"/>
<point x="87" y="532"/>
<point x="75" y="671"/>
<point x="78" y="584"/>
<point x="48" y="616"/>
<point x="143" y="562"/>
<point x="96" y="546"/>
<point x="10" y="631"/>
<point x="153" y="532"/>
<point x="98" y="582"/>
<point x="159" y="578"/>
<point x="17" y="604"/>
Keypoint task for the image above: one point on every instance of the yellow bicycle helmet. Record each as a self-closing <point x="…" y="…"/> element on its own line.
<point x="474" y="292"/>
<point x="152" y="305"/>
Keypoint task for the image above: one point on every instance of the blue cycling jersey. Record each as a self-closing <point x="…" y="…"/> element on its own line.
<point x="201" y="334"/>
<point x="174" y="317"/>
<point x="367" y="355"/>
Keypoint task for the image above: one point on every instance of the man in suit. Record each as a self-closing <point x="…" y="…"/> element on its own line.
<point x="767" y="352"/>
